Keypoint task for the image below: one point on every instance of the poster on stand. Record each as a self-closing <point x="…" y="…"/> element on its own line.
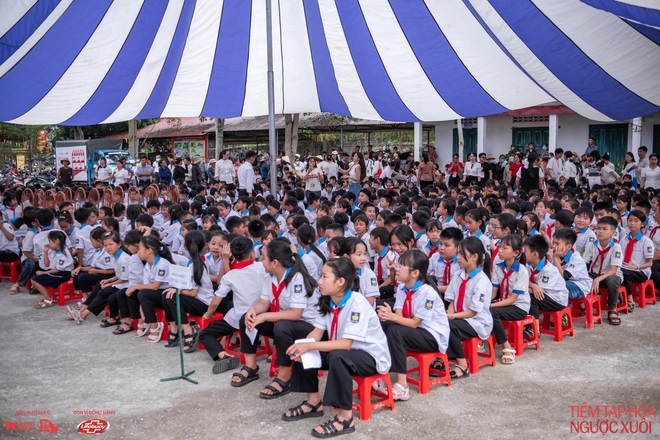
<point x="77" y="157"/>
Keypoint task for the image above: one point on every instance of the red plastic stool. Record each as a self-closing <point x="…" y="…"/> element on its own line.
<point x="559" y="331"/>
<point x="203" y="323"/>
<point x="12" y="272"/>
<point x="593" y="310"/>
<point x="644" y="293"/>
<point x="231" y="348"/>
<point x="65" y="292"/>
<point x="621" y="306"/>
<point x="516" y="337"/>
<point x="424" y="383"/>
<point x="275" y="369"/>
<point x="471" y="349"/>
<point x="160" y="317"/>
<point x="364" y="392"/>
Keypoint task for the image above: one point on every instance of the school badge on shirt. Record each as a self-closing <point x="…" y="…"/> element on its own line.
<point x="545" y="279"/>
<point x="61" y="262"/>
<point x="297" y="288"/>
<point x="374" y="282"/>
<point x="649" y="249"/>
<point x="592" y="239"/>
<point x="355" y="317"/>
<point x="161" y="272"/>
<point x="617" y="255"/>
<point x="428" y="305"/>
<point x="107" y="259"/>
<point x="482" y="297"/>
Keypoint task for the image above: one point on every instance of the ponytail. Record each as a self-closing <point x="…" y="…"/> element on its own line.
<point x="194" y="242"/>
<point x="307" y="236"/>
<point x="280" y="249"/>
<point x="151" y="242"/>
<point x="341" y="267"/>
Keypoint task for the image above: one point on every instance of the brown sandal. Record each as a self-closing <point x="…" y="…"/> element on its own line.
<point x="15" y="289"/>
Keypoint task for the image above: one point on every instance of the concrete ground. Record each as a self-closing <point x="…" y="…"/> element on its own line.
<point x="50" y="364"/>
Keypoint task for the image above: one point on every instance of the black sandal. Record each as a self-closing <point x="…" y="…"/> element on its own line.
<point x="105" y="323"/>
<point x="286" y="389"/>
<point x="297" y="412"/>
<point x="191" y="345"/>
<point x="253" y="374"/>
<point x="120" y="330"/>
<point x="614" y="318"/>
<point x="455" y="376"/>
<point x="173" y="340"/>
<point x="436" y="366"/>
<point x="330" y="430"/>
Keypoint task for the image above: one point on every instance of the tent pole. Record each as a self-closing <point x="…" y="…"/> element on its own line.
<point x="272" y="135"/>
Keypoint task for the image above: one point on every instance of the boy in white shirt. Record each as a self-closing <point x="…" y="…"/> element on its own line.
<point x="570" y="264"/>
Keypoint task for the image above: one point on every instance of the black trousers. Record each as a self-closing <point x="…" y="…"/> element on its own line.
<point x="631" y="277"/>
<point x="655" y="274"/>
<point x="149" y="301"/>
<point x="8" y="257"/>
<point x="612" y="284"/>
<point x="86" y="281"/>
<point x="128" y="305"/>
<point x="210" y="335"/>
<point x="461" y="330"/>
<point x="264" y="329"/>
<point x="285" y="334"/>
<point x="507" y="313"/>
<point x="401" y="338"/>
<point x="188" y="304"/>
<point x="387" y="292"/>
<point x="341" y="365"/>
<point x="547" y="304"/>
<point x="98" y="299"/>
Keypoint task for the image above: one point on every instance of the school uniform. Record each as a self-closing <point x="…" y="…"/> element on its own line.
<point x="212" y="264"/>
<point x="9" y="249"/>
<point x="194" y="305"/>
<point x="368" y="282"/>
<point x="198" y="220"/>
<point x="158" y="271"/>
<point x="246" y="283"/>
<point x="172" y="231"/>
<point x="430" y="249"/>
<point x="421" y="301"/>
<point x="599" y="260"/>
<point x="449" y="223"/>
<point x="421" y="239"/>
<point x="291" y="237"/>
<point x="322" y="245"/>
<point x="636" y="250"/>
<point x="28" y="266"/>
<point x="177" y="244"/>
<point x="256" y="245"/>
<point x="471" y="291"/>
<point x="514" y="281"/>
<point x="655" y="238"/>
<point x="61" y="261"/>
<point x="85" y="243"/>
<point x="311" y="215"/>
<point x="546" y="276"/>
<point x="129" y="306"/>
<point x="444" y="270"/>
<point x="584" y="236"/>
<point x="98" y="299"/>
<point x="348" y="232"/>
<point x="86" y="281"/>
<point x="158" y="220"/>
<point x="281" y="221"/>
<point x="482" y="237"/>
<point x="313" y="263"/>
<point x="354" y="319"/>
<point x="576" y="275"/>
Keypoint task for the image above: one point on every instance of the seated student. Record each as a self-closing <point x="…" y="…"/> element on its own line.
<point x="312" y="257"/>
<point x="417" y="322"/>
<point x="28" y="261"/>
<point x="655" y="238"/>
<point x="546" y="285"/>
<point x="402" y="239"/>
<point x="174" y="228"/>
<point x="444" y="265"/>
<point x="552" y="207"/>
<point x="392" y="221"/>
<point x="459" y="217"/>
<point x="419" y="220"/>
<point x="86" y="218"/>
<point x="242" y="206"/>
<point x="334" y="245"/>
<point x="255" y="230"/>
<point x="235" y="225"/>
<point x="129" y="306"/>
<point x="153" y="209"/>
<point x="356" y="251"/>
<point x="533" y="223"/>
<point x="351" y="341"/>
<point x="100" y="268"/>
<point x="637" y="254"/>
<point x="290" y="299"/>
<point x="322" y="224"/>
<point x="246" y="280"/>
<point x="313" y="202"/>
<point x="213" y="258"/>
<point x="343" y="220"/>
<point x="103" y="290"/>
<point x="605" y="258"/>
<point x="361" y="225"/>
<point x="570" y="264"/>
<point x="157" y="259"/>
<point x="446" y="209"/>
<point x="9" y="250"/>
<point x="475" y="227"/>
<point x="433" y="231"/>
<point x="510" y="285"/>
<point x="583" y="219"/>
<point x="379" y="241"/>
<point x="58" y="263"/>
<point x="623" y="205"/>
<point x="501" y="225"/>
<point x="469" y="296"/>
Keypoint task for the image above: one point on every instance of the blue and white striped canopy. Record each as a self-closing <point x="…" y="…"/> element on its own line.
<point x="81" y="62"/>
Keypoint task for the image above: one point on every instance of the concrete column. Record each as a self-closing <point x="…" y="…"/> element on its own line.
<point x="554" y="132"/>
<point x="636" y="136"/>
<point x="418" y="134"/>
<point x="481" y="134"/>
<point x="438" y="147"/>
<point x="219" y="137"/>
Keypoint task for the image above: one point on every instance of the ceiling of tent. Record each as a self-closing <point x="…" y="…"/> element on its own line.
<point x="81" y="62"/>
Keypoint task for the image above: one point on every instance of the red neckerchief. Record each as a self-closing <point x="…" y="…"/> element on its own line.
<point x="627" y="255"/>
<point x="505" y="284"/>
<point x="446" y="276"/>
<point x="653" y="231"/>
<point x="380" y="266"/>
<point x="433" y="250"/>
<point x="549" y="230"/>
<point x="275" y="305"/>
<point x="240" y="264"/>
<point x="461" y="295"/>
<point x="407" y="303"/>
<point x="601" y="255"/>
<point x="564" y="263"/>
<point x="334" y="326"/>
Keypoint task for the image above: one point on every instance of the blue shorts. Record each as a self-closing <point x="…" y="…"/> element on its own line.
<point x="52" y="279"/>
<point x="574" y="292"/>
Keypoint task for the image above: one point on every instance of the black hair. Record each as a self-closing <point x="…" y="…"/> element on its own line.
<point x="256" y="228"/>
<point x="153" y="243"/>
<point x="334" y="245"/>
<point x="197" y="208"/>
<point x="415" y="259"/>
<point x="537" y="244"/>
<point x="536" y="223"/>
<point x="298" y="221"/>
<point x="29" y="216"/>
<point x="241" y="248"/>
<point x="639" y="214"/>
<point x="153" y="203"/>
<point x="336" y="227"/>
<point x="515" y="242"/>
<point x="106" y="210"/>
<point x="323" y="222"/>
<point x="307" y="236"/>
<point x="118" y="209"/>
<point x="60" y="238"/>
<point x="382" y="234"/>
<point x="82" y="215"/>
<point x="111" y="222"/>
<point x="97" y="233"/>
<point x="190" y="225"/>
<point x="233" y="222"/>
<point x="477" y="216"/>
<point x="145" y="219"/>
<point x="194" y="241"/>
<point x="454" y="234"/>
<point x="280" y="249"/>
<point x="45" y="217"/>
<point x="174" y="210"/>
<point x="341" y="218"/>
<point x="565" y="234"/>
<point x="420" y="218"/>
<point x="393" y="219"/>
<point x="472" y="245"/>
<point x="403" y="233"/>
<point x="341" y="267"/>
<point x="507" y="221"/>
<point x="133" y="237"/>
<point x="132" y="213"/>
<point x="449" y="205"/>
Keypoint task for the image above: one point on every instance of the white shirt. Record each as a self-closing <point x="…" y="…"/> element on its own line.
<point x="598" y="265"/>
<point x="517" y="283"/>
<point x="555" y="168"/>
<point x="104" y="173"/>
<point x="246" y="176"/>
<point x="121" y="176"/>
<point x="569" y="170"/>
<point x="550" y="281"/>
<point x="224" y="171"/>
<point x="329" y="168"/>
<point x="652" y="177"/>
<point x="313" y="183"/>
<point x="122" y="268"/>
<point x="437" y="266"/>
<point x="427" y="306"/>
<point x="642" y="250"/>
<point x="584" y="237"/>
<point x="135" y="270"/>
<point x="293" y="296"/>
<point x="58" y="260"/>
<point x="313" y="263"/>
<point x="478" y="294"/>
<point x="574" y="264"/>
<point x="368" y="282"/>
<point x="40" y="241"/>
<point x="157" y="271"/>
<point x="247" y="284"/>
<point x="205" y="290"/>
<point x="473" y="169"/>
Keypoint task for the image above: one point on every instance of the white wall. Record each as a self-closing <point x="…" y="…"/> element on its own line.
<point x="647" y="130"/>
<point x="444" y="141"/>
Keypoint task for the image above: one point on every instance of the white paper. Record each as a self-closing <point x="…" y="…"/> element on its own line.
<point x="252" y="335"/>
<point x="312" y="358"/>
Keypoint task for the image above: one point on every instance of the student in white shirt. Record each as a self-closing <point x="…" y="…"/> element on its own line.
<point x="356" y="346"/>
<point x="58" y="262"/>
<point x="129" y="306"/>
<point x="312" y="257"/>
<point x="570" y="264"/>
<point x="356" y="250"/>
<point x="100" y="267"/>
<point x="546" y="285"/>
<point x="637" y="254"/>
<point x="246" y="172"/>
<point x="556" y="165"/>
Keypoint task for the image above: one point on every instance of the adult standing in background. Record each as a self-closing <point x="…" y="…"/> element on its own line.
<point x="329" y="167"/>
<point x="143" y="171"/>
<point x="651" y="174"/>
<point x="433" y="155"/>
<point x="556" y="165"/>
<point x="356" y="173"/>
<point x="591" y="147"/>
<point x="472" y="170"/>
<point x="264" y="168"/>
<point x="164" y="173"/>
<point x="486" y="173"/>
<point x="313" y="176"/>
<point x="103" y="173"/>
<point x="643" y="161"/>
<point x="425" y="171"/>
<point x="455" y="171"/>
<point x="570" y="171"/>
<point x="224" y="168"/>
<point x="65" y="174"/>
<point x="246" y="172"/>
<point x="121" y="174"/>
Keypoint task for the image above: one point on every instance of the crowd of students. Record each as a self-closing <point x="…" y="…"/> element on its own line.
<point x="365" y="276"/>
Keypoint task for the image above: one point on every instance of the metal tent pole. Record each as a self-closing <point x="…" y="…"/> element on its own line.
<point x="272" y="135"/>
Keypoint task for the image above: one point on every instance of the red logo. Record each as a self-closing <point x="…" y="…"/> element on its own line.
<point x="93" y="426"/>
<point x="46" y="425"/>
<point x="11" y="426"/>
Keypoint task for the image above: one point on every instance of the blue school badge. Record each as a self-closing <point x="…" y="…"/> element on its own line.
<point x="77" y="241"/>
<point x="592" y="239"/>
<point x="355" y="317"/>
<point x="571" y="266"/>
<point x="428" y="305"/>
<point x="107" y="259"/>
<point x="374" y="282"/>
<point x="297" y="288"/>
<point x="617" y="255"/>
<point x="545" y="279"/>
<point x="61" y="262"/>
<point x="482" y="297"/>
<point x="161" y="272"/>
<point x="649" y="249"/>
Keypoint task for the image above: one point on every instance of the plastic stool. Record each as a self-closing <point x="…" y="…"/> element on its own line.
<point x="203" y="323"/>
<point x="621" y="306"/>
<point x="12" y="272"/>
<point x="471" y="349"/>
<point x="516" y="337"/>
<point x="160" y="317"/>
<point x="65" y="292"/>
<point x="559" y="331"/>
<point x="593" y="310"/>
<point x="275" y="369"/>
<point x="364" y="392"/>
<point x="231" y="348"/>
<point x="424" y="383"/>
<point x="644" y="293"/>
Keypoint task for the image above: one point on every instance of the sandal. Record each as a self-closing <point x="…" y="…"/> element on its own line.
<point x="155" y="333"/>
<point x="297" y="412"/>
<point x="614" y="318"/>
<point x="15" y="289"/>
<point x="528" y="332"/>
<point x="437" y="368"/>
<point x="172" y="340"/>
<point x="455" y="375"/>
<point x="120" y="330"/>
<point x="105" y="323"/>
<point x="286" y="389"/>
<point x="44" y="303"/>
<point x="330" y="430"/>
<point x="400" y="393"/>
<point x="379" y="386"/>
<point x="191" y="345"/>
<point x="631" y="305"/>
<point x="142" y="330"/>
<point x="508" y="356"/>
<point x="252" y="375"/>
<point x="75" y="314"/>
<point x="225" y="363"/>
